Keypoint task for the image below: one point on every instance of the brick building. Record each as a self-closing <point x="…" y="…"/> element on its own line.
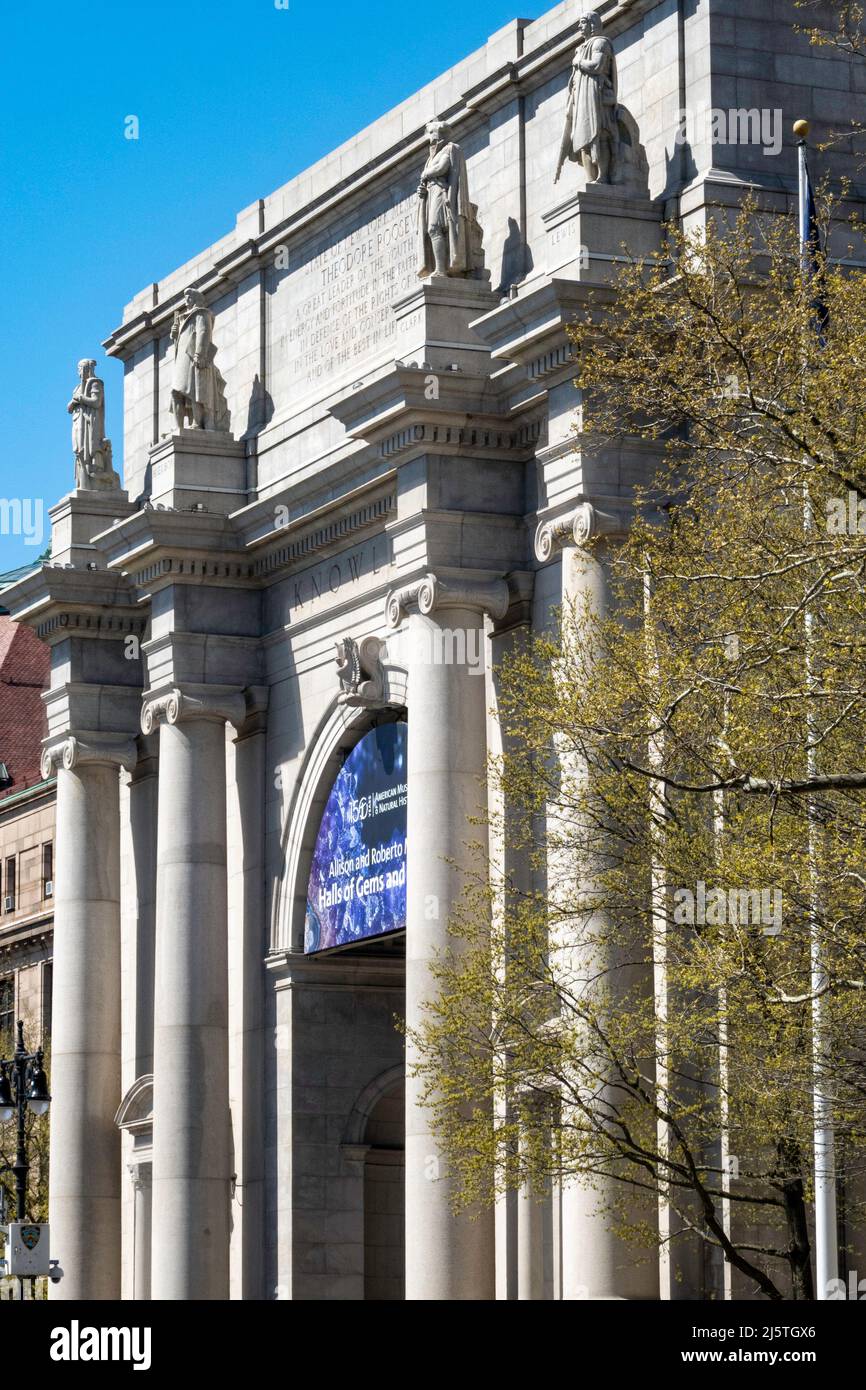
<point x="26" y="837"/>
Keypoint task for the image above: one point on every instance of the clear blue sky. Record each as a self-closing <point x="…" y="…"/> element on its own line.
<point x="233" y="99"/>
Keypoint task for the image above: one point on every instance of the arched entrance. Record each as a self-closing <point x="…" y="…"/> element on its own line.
<point x="384" y="1198"/>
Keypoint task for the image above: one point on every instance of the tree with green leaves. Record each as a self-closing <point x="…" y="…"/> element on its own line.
<point x="651" y="1009"/>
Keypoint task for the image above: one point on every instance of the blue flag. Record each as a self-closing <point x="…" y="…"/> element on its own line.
<point x="812" y="248"/>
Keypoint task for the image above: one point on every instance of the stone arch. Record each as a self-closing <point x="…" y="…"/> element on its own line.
<point x="356" y="1125"/>
<point x="375" y="1137"/>
<point x="135" y="1112"/>
<point x="341" y="727"/>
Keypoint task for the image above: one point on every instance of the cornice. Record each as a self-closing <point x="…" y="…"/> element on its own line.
<point x="395" y="412"/>
<point x="23" y="936"/>
<point x="289" y="545"/>
<point x="91" y="602"/>
<point x="66" y="622"/>
<point x="336" y="971"/>
<point x="531" y="328"/>
<point x="24" y="802"/>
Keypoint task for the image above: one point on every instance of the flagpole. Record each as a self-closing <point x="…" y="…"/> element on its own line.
<point x="826" y="1231"/>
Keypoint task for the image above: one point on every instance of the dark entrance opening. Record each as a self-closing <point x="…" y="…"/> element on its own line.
<point x="384" y="1199"/>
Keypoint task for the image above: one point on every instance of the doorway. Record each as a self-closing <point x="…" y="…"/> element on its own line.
<point x="384" y="1199"/>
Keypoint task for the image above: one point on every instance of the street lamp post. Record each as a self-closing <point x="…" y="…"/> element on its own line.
<point x="23" y="1083"/>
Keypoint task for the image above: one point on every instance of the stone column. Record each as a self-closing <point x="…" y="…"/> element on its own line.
<point x="516" y="1228"/>
<point x="447" y="1258"/>
<point x="246" y="946"/>
<point x="531" y="1208"/>
<point x="139" y="913"/>
<point x="84" y="1197"/>
<point x="142" y="1186"/>
<point x="595" y="1263"/>
<point x="192" y="1164"/>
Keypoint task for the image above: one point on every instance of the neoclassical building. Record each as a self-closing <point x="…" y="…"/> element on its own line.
<point x="352" y="477"/>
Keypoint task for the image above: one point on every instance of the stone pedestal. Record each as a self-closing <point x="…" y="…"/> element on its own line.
<point x="204" y="470"/>
<point x="433" y="324"/>
<point x="84" y="1196"/>
<point x="447" y="1257"/>
<point x="192" y="1162"/>
<point x="80" y="516"/>
<point x="591" y="231"/>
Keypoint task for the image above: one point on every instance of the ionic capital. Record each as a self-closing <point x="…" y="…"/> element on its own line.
<point x="220" y="703"/>
<point x="431" y="593"/>
<point x="578" y="527"/>
<point x="86" y="749"/>
<point x="141" y="1175"/>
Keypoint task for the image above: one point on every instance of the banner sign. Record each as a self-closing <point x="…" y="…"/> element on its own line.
<point x="357" y="886"/>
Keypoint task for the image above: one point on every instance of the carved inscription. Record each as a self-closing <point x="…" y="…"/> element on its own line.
<point x="341" y="300"/>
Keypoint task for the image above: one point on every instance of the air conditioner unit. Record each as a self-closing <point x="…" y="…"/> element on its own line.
<point x="49" y="888"/>
<point x="9" y="903"/>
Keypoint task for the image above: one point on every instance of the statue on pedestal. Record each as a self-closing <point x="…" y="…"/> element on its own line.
<point x="197" y="388"/>
<point x="591" y="135"/>
<point x="92" y="451"/>
<point x="449" y="237"/>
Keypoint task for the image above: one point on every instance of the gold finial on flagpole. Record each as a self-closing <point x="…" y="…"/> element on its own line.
<point x="801" y="130"/>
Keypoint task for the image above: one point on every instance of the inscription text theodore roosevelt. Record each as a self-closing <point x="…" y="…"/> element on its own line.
<point x="341" y="300"/>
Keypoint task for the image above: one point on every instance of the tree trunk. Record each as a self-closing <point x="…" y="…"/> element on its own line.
<point x="800" y="1250"/>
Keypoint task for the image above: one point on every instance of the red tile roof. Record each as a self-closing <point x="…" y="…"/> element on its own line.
<point x="24" y="666"/>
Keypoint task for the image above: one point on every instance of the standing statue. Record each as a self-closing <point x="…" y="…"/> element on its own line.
<point x="449" y="237"/>
<point x="591" y="134"/>
<point x="197" y="388"/>
<point x="92" y="451"/>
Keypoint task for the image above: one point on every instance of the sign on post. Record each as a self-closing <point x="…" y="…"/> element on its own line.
<point x="28" y="1249"/>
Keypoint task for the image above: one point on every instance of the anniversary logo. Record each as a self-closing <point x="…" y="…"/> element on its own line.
<point x="357" y="885"/>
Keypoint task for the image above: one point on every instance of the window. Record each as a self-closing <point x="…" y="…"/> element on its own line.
<point x="47" y="984"/>
<point x="7" y="1009"/>
<point x="9" y="887"/>
<point x="48" y="870"/>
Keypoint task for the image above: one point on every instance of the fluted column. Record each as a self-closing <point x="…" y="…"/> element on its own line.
<point x="596" y="1263"/>
<point x="85" y="1187"/>
<point x="447" y="1257"/>
<point x="191" y="1133"/>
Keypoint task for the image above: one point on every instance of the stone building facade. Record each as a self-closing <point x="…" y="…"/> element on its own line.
<point x="401" y="465"/>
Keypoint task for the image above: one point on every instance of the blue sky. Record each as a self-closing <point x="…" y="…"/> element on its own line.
<point x="232" y="100"/>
